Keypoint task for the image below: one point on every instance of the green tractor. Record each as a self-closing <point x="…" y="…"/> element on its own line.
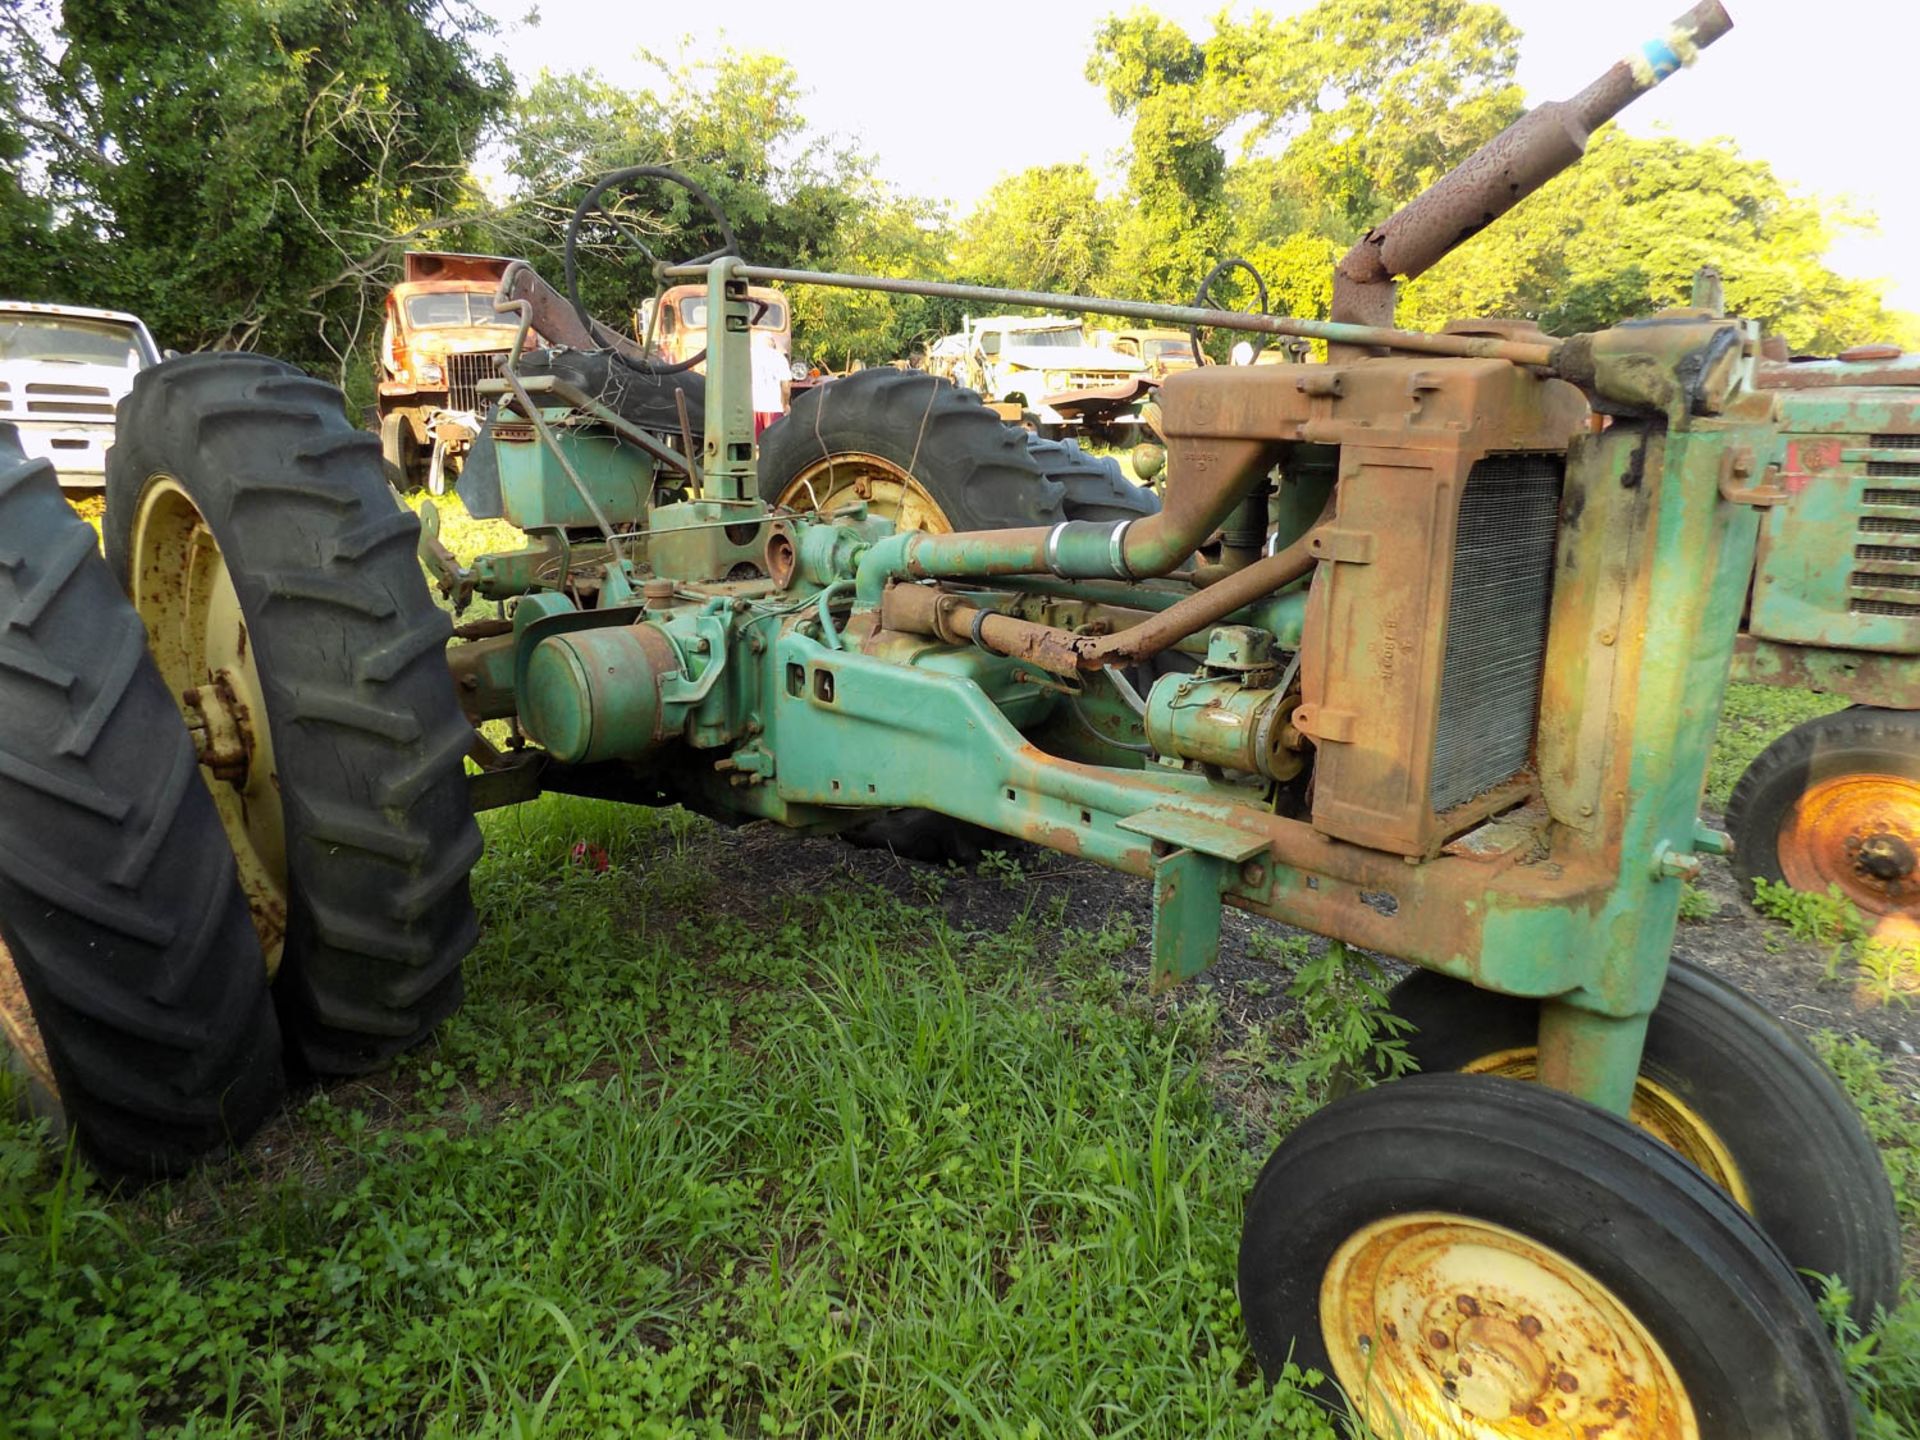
<point x="1445" y="691"/>
<point x="1835" y="608"/>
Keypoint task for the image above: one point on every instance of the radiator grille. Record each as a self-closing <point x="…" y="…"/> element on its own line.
<point x="1896" y="442"/>
<point x="1893" y="470"/>
<point x="466" y="371"/>
<point x="1888" y="538"/>
<point x="1496" y="626"/>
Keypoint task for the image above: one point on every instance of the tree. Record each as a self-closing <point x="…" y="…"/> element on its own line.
<point x="735" y="126"/>
<point x="1043" y="229"/>
<point x="243" y="174"/>
<point x="1623" y="232"/>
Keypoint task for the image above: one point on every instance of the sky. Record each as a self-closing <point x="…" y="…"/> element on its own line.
<point x="949" y="99"/>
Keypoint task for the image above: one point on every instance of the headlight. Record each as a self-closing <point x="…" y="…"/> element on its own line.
<point x="430" y="373"/>
<point x="1058" y="379"/>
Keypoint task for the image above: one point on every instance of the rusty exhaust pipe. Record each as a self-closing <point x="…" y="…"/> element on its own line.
<point x="1541" y="144"/>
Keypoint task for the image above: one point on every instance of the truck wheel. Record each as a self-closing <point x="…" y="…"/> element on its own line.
<point x="1835" y="801"/>
<point x="399" y="453"/>
<point x="931" y="457"/>
<point x="280" y="590"/>
<point x="1465" y="1255"/>
<point x="131" y="985"/>
<point x="1729" y="1089"/>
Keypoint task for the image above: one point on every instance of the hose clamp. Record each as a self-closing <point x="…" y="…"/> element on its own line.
<point x="979" y="619"/>
<point x="1053" y="547"/>
<point x="1117" y="550"/>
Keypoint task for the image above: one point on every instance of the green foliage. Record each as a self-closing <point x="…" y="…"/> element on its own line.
<point x="1696" y="905"/>
<point x="1752" y="718"/>
<point x="1828" y="920"/>
<point x="788" y="1167"/>
<point x="1043" y="229"/>
<point x="1654" y="211"/>
<point x="241" y="175"/>
<point x="736" y="126"/>
<point x="1883" y="1367"/>
<point x="1890" y="1106"/>
<point x="1888" y="967"/>
<point x="1282" y="139"/>
<point x="1344" y="1035"/>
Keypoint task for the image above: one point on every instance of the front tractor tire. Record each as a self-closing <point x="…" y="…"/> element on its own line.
<point x="1726" y="1087"/>
<point x="254" y="528"/>
<point x="1468" y="1256"/>
<point x="1836" y="801"/>
<point x="132" y="991"/>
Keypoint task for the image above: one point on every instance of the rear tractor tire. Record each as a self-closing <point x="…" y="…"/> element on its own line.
<point x="1467" y="1256"/>
<point x="132" y="992"/>
<point x="929" y="456"/>
<point x="1836" y="801"/>
<point x="256" y="533"/>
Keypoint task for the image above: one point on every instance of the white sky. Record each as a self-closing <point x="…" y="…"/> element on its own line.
<point x="949" y="98"/>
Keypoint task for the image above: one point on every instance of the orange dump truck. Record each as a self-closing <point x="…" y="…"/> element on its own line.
<point x="442" y="337"/>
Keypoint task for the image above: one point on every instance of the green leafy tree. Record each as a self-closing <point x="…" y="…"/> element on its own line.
<point x="246" y="174"/>
<point x="1043" y="229"/>
<point x="735" y="125"/>
<point x="1623" y="232"/>
<point x="1176" y="222"/>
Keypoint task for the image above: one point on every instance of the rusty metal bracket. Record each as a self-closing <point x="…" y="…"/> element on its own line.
<point x="1347" y="547"/>
<point x="1196" y="860"/>
<point x="1736" y="466"/>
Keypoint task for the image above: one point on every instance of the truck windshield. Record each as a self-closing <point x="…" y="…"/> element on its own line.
<point x="456" y="307"/>
<point x="693" y="313"/>
<point x="1066" y="336"/>
<point x="1169" y="350"/>
<point x="70" y="340"/>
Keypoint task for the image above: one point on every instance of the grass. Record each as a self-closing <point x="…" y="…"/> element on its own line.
<point x="835" y="1168"/>
<point x="1753" y="717"/>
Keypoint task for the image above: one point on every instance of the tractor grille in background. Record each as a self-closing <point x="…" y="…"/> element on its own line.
<point x="1888" y="534"/>
<point x="466" y="371"/>
<point x="1496" y="626"/>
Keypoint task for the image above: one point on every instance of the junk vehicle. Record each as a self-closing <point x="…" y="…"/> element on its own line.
<point x="63" y="368"/>
<point x="677" y="325"/>
<point x="1042" y="371"/>
<point x="441" y="337"/>
<point x="1447" y="694"/>
<point x="1835" y="607"/>
<point x="1161" y="351"/>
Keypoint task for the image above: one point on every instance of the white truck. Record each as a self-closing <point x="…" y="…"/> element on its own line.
<point x="63" y="370"/>
<point x="1042" y="371"/>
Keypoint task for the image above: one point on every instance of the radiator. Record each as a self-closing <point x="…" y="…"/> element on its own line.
<point x="1496" y="626"/>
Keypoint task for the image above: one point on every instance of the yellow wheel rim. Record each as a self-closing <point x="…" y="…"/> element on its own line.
<point x="1656" y="1110"/>
<point x="200" y="640"/>
<point x="1443" y="1327"/>
<point x="17" y="1025"/>
<point x="1862" y="833"/>
<point x="854" y="477"/>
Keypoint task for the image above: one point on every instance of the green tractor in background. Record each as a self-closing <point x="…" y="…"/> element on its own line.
<point x="1835" y="608"/>
<point x="1444" y="690"/>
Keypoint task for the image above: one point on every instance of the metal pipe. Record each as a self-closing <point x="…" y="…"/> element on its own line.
<point x="1197" y="503"/>
<point x="1472" y="347"/>
<point x="1501" y="173"/>
<point x="945" y="615"/>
